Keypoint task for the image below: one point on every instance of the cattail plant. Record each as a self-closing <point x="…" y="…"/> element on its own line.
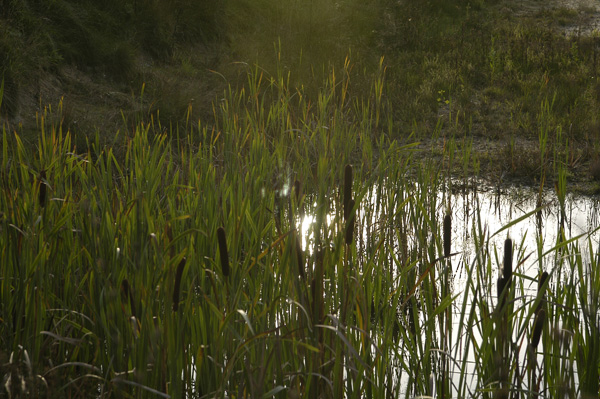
<point x="42" y="190"/>
<point x="348" y="205"/>
<point x="223" y="251"/>
<point x="502" y="283"/>
<point x="541" y="293"/>
<point x="503" y="319"/>
<point x="349" y="215"/>
<point x="447" y="235"/>
<point x="347" y="191"/>
<point x="317" y="289"/>
<point x="176" y="287"/>
<point x="445" y="318"/>
<point x="538" y="327"/>
<point x="499" y="354"/>
<point x="508" y="261"/>
<point x="350" y="223"/>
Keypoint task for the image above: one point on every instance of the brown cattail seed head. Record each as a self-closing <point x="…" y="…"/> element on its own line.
<point x="351" y="222"/>
<point x="177" y="285"/>
<point x="541" y="296"/>
<point x="508" y="259"/>
<point x="223" y="251"/>
<point x="42" y="191"/>
<point x="347" y="191"/>
<point x="538" y="327"/>
<point x="447" y="235"/>
<point x="501" y="288"/>
<point x="543" y="279"/>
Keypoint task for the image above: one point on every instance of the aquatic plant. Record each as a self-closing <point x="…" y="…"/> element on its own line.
<point x="118" y="285"/>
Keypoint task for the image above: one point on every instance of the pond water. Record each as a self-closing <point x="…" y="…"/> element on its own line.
<point x="537" y="233"/>
<point x="535" y="238"/>
<point x="535" y="223"/>
<point x="496" y="208"/>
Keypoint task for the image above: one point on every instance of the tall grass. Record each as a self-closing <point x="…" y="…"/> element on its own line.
<point x="313" y="35"/>
<point x="178" y="268"/>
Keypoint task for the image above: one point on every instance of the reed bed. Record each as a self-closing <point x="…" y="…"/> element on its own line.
<point x="178" y="267"/>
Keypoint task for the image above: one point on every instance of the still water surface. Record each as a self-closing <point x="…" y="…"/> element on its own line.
<point x="536" y="224"/>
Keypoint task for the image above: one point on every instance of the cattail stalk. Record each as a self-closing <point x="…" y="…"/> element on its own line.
<point x="500" y="355"/>
<point x="223" y="251"/>
<point x="538" y="328"/>
<point x="503" y="317"/>
<point x="445" y="319"/>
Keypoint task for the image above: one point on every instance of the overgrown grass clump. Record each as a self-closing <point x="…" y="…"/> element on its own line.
<point x="179" y="266"/>
<point x="484" y="67"/>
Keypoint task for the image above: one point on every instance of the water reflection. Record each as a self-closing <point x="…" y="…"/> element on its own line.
<point x="543" y="227"/>
<point x="483" y="217"/>
<point x="543" y="224"/>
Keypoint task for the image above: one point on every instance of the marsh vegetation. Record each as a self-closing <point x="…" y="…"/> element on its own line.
<point x="167" y="253"/>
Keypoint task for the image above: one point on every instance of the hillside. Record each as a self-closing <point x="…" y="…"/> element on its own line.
<point x="96" y="56"/>
<point x="497" y="72"/>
